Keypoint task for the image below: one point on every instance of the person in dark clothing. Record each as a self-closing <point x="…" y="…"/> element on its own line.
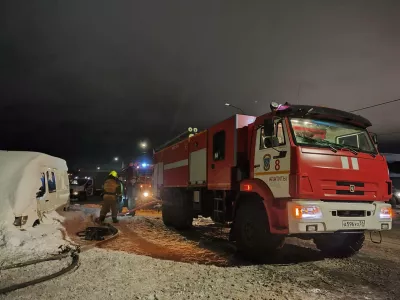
<point x="111" y="192"/>
<point x="132" y="177"/>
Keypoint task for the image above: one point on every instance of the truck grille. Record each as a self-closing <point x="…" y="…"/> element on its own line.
<point x="340" y="188"/>
<point x="351" y="188"/>
<point x="350" y="213"/>
<point x="356" y="193"/>
<point x="348" y="183"/>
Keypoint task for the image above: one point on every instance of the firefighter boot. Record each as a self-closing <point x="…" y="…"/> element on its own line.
<point x="115" y="220"/>
<point x="101" y="220"/>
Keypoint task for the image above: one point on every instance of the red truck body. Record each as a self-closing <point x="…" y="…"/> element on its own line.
<point x="214" y="171"/>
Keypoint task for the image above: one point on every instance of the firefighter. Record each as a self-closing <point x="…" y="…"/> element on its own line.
<point x="111" y="192"/>
<point x="132" y="177"/>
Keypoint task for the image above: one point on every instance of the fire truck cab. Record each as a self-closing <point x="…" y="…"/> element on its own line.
<point x="305" y="171"/>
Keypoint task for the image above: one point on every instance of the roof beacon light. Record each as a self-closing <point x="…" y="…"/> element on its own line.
<point x="275" y="106"/>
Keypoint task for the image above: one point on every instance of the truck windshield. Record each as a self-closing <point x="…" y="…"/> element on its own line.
<point x="331" y="134"/>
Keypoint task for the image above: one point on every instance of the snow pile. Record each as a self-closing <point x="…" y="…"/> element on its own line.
<point x="34" y="242"/>
<point x="20" y="175"/>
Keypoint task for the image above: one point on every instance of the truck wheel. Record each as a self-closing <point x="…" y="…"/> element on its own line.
<point x="167" y="208"/>
<point x="183" y="209"/>
<point x="252" y="234"/>
<point x="340" y="245"/>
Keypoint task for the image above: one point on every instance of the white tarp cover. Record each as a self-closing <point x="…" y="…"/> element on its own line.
<point x="20" y="174"/>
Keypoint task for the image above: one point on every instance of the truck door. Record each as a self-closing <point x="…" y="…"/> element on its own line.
<point x="272" y="164"/>
<point x="89" y="188"/>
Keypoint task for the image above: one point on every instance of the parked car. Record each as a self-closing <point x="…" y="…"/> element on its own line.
<point x="395" y="200"/>
<point x="81" y="188"/>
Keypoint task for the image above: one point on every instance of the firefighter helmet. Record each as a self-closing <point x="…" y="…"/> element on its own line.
<point x="113" y="174"/>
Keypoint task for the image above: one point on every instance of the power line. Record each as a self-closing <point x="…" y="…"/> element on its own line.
<point x="390" y="133"/>
<point x="375" y="105"/>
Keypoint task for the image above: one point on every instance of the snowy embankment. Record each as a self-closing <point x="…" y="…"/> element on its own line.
<point x="20" y="175"/>
<point x="34" y="242"/>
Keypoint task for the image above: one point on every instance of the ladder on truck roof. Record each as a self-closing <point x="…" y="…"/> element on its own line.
<point x="180" y="137"/>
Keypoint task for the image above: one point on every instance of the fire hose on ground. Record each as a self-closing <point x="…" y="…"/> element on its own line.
<point x="65" y="252"/>
<point x="137" y="208"/>
<point x="91" y="233"/>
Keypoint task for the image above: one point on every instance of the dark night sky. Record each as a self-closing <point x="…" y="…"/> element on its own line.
<point x="86" y="80"/>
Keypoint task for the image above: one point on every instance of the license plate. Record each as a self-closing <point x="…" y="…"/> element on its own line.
<point x="353" y="224"/>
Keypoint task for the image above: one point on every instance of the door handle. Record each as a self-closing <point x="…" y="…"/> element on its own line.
<point x="257" y="166"/>
<point x="46" y="200"/>
<point x="212" y="166"/>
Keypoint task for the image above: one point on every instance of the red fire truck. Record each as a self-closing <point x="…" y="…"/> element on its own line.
<point x="143" y="184"/>
<point x="304" y="171"/>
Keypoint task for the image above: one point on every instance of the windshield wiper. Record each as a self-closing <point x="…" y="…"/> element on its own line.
<point x="342" y="147"/>
<point x="333" y="146"/>
<point x="321" y="141"/>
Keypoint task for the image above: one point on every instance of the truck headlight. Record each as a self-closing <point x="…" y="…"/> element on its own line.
<point x="397" y="194"/>
<point x="307" y="212"/>
<point x="386" y="213"/>
<point x="146" y="194"/>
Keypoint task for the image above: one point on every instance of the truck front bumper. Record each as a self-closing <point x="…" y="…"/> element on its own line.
<point x="309" y="216"/>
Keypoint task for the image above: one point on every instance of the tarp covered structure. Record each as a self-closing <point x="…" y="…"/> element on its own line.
<point x="20" y="174"/>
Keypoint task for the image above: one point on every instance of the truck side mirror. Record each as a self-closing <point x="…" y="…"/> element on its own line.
<point x="271" y="142"/>
<point x="269" y="127"/>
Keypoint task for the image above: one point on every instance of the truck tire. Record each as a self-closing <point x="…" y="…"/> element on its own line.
<point x="183" y="209"/>
<point x="252" y="233"/>
<point x="167" y="208"/>
<point x="340" y="245"/>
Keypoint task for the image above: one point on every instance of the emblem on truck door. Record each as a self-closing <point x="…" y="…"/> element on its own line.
<point x="267" y="161"/>
<point x="352" y="188"/>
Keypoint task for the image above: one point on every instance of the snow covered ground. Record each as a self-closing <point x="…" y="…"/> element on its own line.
<point x="372" y="274"/>
<point x="32" y="243"/>
<point x="118" y="275"/>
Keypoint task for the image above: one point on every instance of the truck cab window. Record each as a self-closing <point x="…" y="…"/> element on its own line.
<point x="219" y="146"/>
<point x="350" y="140"/>
<point x="51" y="181"/>
<point x="279" y="133"/>
<point x="42" y="189"/>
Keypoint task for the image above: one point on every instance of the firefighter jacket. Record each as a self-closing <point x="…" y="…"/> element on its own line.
<point x="112" y="188"/>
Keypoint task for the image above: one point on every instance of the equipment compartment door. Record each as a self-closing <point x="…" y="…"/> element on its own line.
<point x="273" y="166"/>
<point x="221" y="154"/>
